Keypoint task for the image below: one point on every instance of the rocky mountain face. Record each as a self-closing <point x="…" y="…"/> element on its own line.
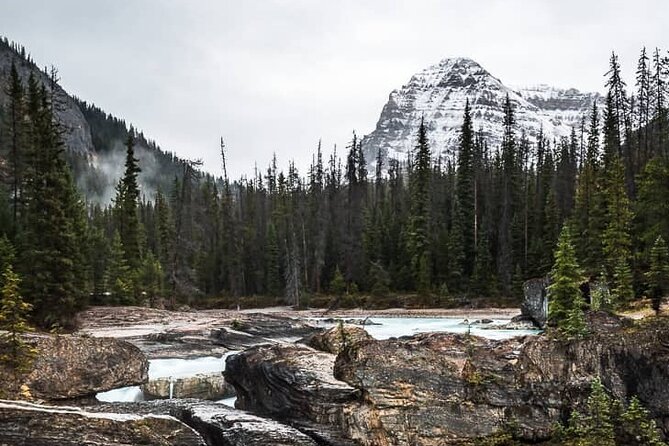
<point x="94" y="140"/>
<point x="439" y="93"/>
<point x="76" y="131"/>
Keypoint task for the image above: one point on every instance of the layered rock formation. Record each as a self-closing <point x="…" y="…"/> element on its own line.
<point x="160" y="423"/>
<point x="292" y="383"/>
<point x="220" y="425"/>
<point x="449" y="389"/>
<point x="338" y="338"/>
<point x="38" y="425"/>
<point x="254" y="329"/>
<point x="204" y="386"/>
<point x="68" y="366"/>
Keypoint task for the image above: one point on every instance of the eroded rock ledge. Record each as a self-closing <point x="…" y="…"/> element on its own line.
<point x="160" y="423"/>
<point x="69" y="366"/>
<point x="24" y="423"/>
<point x="449" y="389"/>
<point x="292" y="383"/>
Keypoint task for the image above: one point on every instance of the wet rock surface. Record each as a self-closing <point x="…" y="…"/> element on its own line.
<point x="443" y="389"/>
<point x="295" y="384"/>
<point x="257" y="329"/>
<point x="337" y="338"/>
<point x="68" y="366"/>
<point x="29" y="424"/>
<point x="190" y="334"/>
<point x="205" y="386"/>
<point x="218" y="424"/>
<point x="535" y="304"/>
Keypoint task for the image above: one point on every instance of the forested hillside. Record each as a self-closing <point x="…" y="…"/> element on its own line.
<point x="477" y="225"/>
<point x="94" y="140"/>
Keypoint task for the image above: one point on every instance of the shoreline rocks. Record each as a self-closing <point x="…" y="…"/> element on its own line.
<point x="292" y="383"/>
<point x="161" y="423"/>
<point x="70" y="366"/>
<point x="452" y="389"/>
<point x="535" y="304"/>
<point x="23" y="423"/>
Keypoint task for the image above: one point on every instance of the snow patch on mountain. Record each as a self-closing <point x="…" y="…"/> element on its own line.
<point x="438" y="94"/>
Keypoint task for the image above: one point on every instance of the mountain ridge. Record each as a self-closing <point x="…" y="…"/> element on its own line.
<point x="438" y="94"/>
<point x="95" y="140"/>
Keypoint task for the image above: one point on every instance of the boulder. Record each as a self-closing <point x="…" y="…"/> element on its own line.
<point x="222" y="425"/>
<point x="23" y="423"/>
<point x="292" y="383"/>
<point x="69" y="366"/>
<point x="430" y="389"/>
<point x="535" y="302"/>
<point x="204" y="386"/>
<point x="338" y="338"/>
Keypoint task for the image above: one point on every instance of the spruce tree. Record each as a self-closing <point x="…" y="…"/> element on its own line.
<point x="127" y="205"/>
<point x="14" y="138"/>
<point x="379" y="280"/>
<point x="604" y="422"/>
<point x="509" y="200"/>
<point x="7" y="254"/>
<point x="565" y="302"/>
<point x="274" y="281"/>
<point x="651" y="206"/>
<point x="149" y="278"/>
<point x="482" y="279"/>
<point x="642" y="109"/>
<point x="165" y="234"/>
<point x="617" y="241"/>
<point x="419" y="220"/>
<point x="15" y="352"/>
<point x="50" y="252"/>
<point x="598" y="419"/>
<point x="455" y="249"/>
<point x="98" y="258"/>
<point x="658" y="87"/>
<point x="657" y="277"/>
<point x="466" y="190"/>
<point x="588" y="212"/>
<point x="338" y="283"/>
<point x="118" y="276"/>
<point x="638" y="427"/>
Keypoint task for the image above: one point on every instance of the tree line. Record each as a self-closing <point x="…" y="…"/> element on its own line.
<point x="438" y="228"/>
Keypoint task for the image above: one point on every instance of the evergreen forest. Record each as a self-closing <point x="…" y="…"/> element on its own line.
<point x="355" y="228"/>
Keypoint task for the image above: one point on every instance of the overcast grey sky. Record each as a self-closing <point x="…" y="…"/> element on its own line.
<point x="277" y="75"/>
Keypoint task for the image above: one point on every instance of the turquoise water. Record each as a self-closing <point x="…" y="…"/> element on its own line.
<point x="394" y="327"/>
<point x="389" y="327"/>
<point x="166" y="368"/>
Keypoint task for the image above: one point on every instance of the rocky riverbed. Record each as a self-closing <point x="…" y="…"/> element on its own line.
<point x="442" y="389"/>
<point x="303" y="380"/>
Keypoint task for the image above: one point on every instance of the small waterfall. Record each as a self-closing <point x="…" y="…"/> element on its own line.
<point x="171" y="387"/>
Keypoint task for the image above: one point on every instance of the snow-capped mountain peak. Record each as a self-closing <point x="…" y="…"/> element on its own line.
<point x="439" y="93"/>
